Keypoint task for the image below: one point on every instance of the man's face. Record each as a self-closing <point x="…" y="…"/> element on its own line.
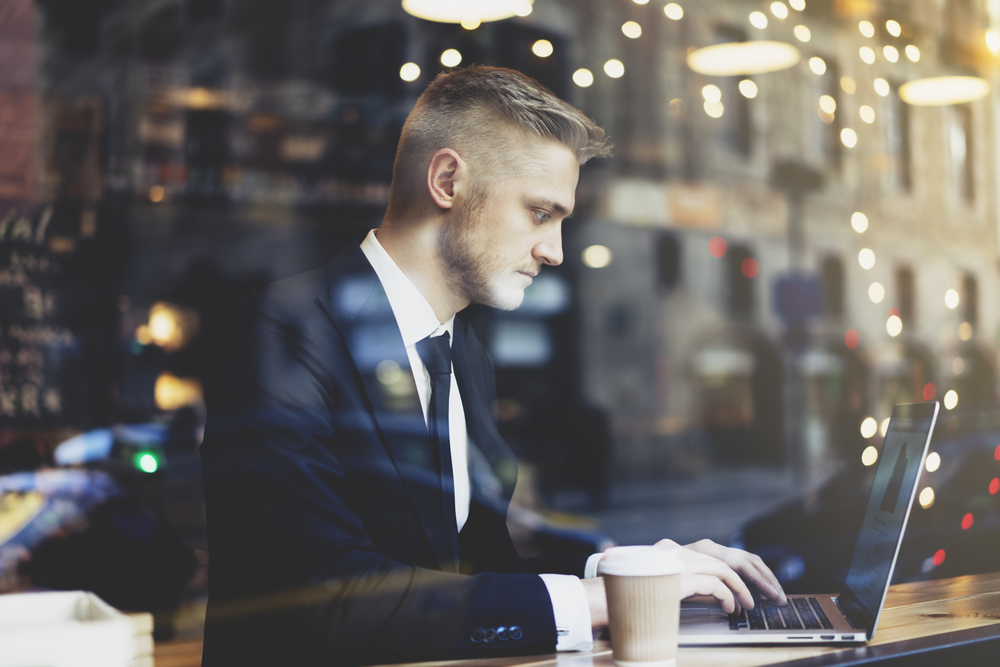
<point x="493" y="245"/>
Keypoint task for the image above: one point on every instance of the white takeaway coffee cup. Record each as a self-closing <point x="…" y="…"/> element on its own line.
<point x="642" y="584"/>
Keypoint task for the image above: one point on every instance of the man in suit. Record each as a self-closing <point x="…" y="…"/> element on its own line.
<point x="356" y="485"/>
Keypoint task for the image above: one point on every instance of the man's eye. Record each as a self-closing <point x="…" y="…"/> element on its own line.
<point x="542" y="216"/>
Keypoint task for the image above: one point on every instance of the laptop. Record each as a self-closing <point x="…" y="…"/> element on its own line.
<point x="853" y="615"/>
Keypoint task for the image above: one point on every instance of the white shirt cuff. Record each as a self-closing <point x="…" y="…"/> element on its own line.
<point x="571" y="611"/>
<point x="590" y="569"/>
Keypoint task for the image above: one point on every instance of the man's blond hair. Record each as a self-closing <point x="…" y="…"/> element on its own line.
<point x="485" y="114"/>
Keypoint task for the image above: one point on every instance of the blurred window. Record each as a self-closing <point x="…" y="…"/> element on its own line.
<point x="905" y="294"/>
<point x="833" y="287"/>
<point x="668" y="262"/>
<point x="740" y="286"/>
<point x="970" y="300"/>
<point x="899" y="175"/>
<point x="960" y="144"/>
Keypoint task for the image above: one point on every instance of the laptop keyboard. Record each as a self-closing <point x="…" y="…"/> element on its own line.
<point x="799" y="614"/>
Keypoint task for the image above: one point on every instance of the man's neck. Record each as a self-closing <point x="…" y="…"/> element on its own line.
<point x="415" y="250"/>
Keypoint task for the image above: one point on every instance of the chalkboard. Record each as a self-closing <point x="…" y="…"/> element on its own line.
<point x="39" y="380"/>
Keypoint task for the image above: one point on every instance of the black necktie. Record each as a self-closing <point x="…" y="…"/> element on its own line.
<point x="436" y="355"/>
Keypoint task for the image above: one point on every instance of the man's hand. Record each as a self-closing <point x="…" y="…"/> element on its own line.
<point x="712" y="569"/>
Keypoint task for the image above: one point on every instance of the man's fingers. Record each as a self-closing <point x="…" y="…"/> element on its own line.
<point x="749" y="565"/>
<point x="704" y="584"/>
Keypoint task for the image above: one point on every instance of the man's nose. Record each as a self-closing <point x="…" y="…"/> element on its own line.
<point x="549" y="249"/>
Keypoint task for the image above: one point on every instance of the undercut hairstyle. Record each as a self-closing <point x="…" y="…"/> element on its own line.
<point x="485" y="114"/>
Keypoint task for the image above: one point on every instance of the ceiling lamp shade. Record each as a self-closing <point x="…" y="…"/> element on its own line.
<point x="735" y="58"/>
<point x="457" y="11"/>
<point x="941" y="90"/>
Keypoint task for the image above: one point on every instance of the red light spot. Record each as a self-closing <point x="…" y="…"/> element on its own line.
<point x="996" y="453"/>
<point x="852" y="339"/>
<point x="750" y="267"/>
<point x="994" y="486"/>
<point x="938" y="557"/>
<point x="967" y="521"/>
<point x="895" y="311"/>
<point x="717" y="246"/>
<point x="930" y="391"/>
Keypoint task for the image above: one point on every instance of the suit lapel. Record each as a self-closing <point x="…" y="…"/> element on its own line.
<point x="359" y="309"/>
<point x="477" y="398"/>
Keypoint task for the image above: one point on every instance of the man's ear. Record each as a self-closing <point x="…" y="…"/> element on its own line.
<point x="446" y="173"/>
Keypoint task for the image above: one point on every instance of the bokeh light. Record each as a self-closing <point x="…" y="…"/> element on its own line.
<point x="881" y="87"/>
<point x="817" y="65"/>
<point x="758" y="20"/>
<point x="867" y="114"/>
<point x="926" y="497"/>
<point x="748" y="89"/>
<point x="156" y="194"/>
<point x="894" y="325"/>
<point x="876" y="292"/>
<point x="597" y="256"/>
<point x="409" y="72"/>
<point x="869" y="456"/>
<point x="631" y="29"/>
<point x="891" y="53"/>
<point x="967" y="521"/>
<point x="674" y="11"/>
<point x="779" y="9"/>
<point x="893" y="27"/>
<point x="951" y="399"/>
<point x="883" y="428"/>
<point x="993" y="41"/>
<point x="147" y="463"/>
<point x="951" y="299"/>
<point x="913" y="53"/>
<point x="471" y="23"/>
<point x="717" y="246"/>
<point x="848" y="137"/>
<point x="797" y="5"/>
<point x="930" y="391"/>
<point x="827" y="103"/>
<point x="965" y="331"/>
<point x="451" y="58"/>
<point x="852" y="339"/>
<point x="614" y="68"/>
<point x="958" y="366"/>
<point x="714" y="109"/>
<point x="869" y="427"/>
<point x="711" y="93"/>
<point x="933" y="462"/>
<point x="866" y="28"/>
<point x="867" y="54"/>
<point x="866" y="258"/>
<point x="750" y="267"/>
<point x="802" y="33"/>
<point x="583" y="77"/>
<point x="938" y="558"/>
<point x="994" y="486"/>
<point x="859" y="221"/>
<point x="848" y="85"/>
<point x="542" y="48"/>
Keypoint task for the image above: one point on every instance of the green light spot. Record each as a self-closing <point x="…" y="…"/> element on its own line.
<point x="147" y="463"/>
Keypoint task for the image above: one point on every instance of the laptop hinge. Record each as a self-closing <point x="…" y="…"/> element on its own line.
<point x="852" y="621"/>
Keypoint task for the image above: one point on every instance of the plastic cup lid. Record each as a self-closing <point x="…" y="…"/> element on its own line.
<point x="639" y="561"/>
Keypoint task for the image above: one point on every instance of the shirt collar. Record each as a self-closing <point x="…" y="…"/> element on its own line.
<point x="414" y="316"/>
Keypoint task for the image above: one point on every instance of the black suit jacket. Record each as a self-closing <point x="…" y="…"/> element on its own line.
<point x="326" y="513"/>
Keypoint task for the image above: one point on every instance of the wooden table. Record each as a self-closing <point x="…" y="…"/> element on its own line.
<point x="953" y="622"/>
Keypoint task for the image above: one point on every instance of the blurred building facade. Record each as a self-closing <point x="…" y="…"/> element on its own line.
<point x="712" y="309"/>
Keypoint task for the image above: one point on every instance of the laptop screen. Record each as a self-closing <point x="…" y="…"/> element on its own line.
<point x="902" y="456"/>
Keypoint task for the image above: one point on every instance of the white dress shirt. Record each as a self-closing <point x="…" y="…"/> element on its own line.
<point x="416" y="321"/>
